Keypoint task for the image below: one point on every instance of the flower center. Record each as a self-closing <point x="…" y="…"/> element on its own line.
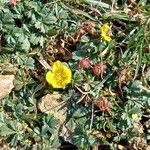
<point x="59" y="78"/>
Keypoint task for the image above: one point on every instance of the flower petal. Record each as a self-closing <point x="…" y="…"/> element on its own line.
<point x="67" y="75"/>
<point x="51" y="79"/>
<point x="105" y="32"/>
<point x="57" y="66"/>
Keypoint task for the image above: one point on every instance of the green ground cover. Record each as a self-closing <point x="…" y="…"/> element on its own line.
<point x="75" y="71"/>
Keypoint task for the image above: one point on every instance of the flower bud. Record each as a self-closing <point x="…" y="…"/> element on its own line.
<point x="99" y="69"/>
<point x="13" y="2"/>
<point x="103" y="104"/>
<point x="84" y="63"/>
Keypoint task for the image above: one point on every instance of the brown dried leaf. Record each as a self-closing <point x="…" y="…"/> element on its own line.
<point x="120" y="147"/>
<point x="58" y="52"/>
<point x="138" y="143"/>
<point x="88" y="28"/>
<point x="6" y="85"/>
<point x="95" y="147"/>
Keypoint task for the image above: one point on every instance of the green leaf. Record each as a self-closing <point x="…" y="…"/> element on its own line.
<point x="52" y="32"/>
<point x="26" y="44"/>
<point x="40" y="25"/>
<point x="78" y="12"/>
<point x="97" y="3"/>
<point x="5" y="131"/>
<point x="30" y="63"/>
<point x="116" y="15"/>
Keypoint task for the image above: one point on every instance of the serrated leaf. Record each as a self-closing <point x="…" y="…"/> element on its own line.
<point x="40" y="25"/>
<point x="97" y="3"/>
<point x="26" y="44"/>
<point x="30" y="63"/>
<point x="5" y="131"/>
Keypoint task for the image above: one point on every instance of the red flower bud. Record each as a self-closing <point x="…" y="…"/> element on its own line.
<point x="84" y="63"/>
<point x="103" y="104"/>
<point x="13" y="2"/>
<point x="99" y="69"/>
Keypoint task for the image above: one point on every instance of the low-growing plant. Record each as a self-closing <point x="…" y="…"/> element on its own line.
<point x="95" y="56"/>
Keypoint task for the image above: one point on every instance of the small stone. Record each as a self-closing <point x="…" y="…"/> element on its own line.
<point x="6" y="85"/>
<point x="51" y="103"/>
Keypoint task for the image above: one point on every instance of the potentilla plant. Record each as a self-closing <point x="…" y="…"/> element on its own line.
<point x="74" y="74"/>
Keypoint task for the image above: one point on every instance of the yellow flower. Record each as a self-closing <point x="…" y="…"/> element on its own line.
<point x="59" y="76"/>
<point x="105" y="32"/>
<point x="135" y="117"/>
